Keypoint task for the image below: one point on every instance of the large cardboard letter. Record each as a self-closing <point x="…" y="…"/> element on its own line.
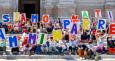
<point x="57" y="35"/>
<point x="34" y="18"/>
<point x="98" y="13"/>
<point x="74" y="18"/>
<point x="86" y="24"/>
<point x="112" y="29"/>
<point x="32" y="38"/>
<point x="13" y="42"/>
<point x="85" y="14"/>
<point x="16" y="16"/>
<point x="66" y="23"/>
<point x="2" y="34"/>
<point x="101" y="24"/>
<point x="6" y="17"/>
<point x="110" y="15"/>
<point x="23" y="17"/>
<point x="45" y="18"/>
<point x="42" y="38"/>
<point x="74" y="29"/>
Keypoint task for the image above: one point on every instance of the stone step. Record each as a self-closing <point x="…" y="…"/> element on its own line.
<point x="37" y="57"/>
<point x="69" y="57"/>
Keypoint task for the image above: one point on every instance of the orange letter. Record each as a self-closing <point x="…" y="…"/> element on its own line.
<point x="45" y="18"/>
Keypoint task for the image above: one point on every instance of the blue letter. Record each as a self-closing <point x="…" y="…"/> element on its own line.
<point x="101" y="24"/>
<point x="34" y="18"/>
<point x="32" y="38"/>
<point x="13" y="41"/>
<point x="2" y="36"/>
<point x="6" y="17"/>
<point x="66" y="22"/>
<point x="74" y="29"/>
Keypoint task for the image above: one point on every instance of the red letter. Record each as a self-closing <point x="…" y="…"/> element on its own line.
<point x="74" y="18"/>
<point x="97" y="13"/>
<point x="23" y="17"/>
<point x="112" y="29"/>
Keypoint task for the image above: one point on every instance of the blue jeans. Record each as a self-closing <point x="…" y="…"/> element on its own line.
<point x="59" y="49"/>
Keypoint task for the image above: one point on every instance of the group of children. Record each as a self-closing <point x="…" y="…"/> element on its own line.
<point x="80" y="44"/>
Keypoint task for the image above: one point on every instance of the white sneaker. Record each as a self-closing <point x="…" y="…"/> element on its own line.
<point x="80" y="58"/>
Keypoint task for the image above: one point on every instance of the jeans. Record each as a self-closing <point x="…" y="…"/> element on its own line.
<point x="59" y="49"/>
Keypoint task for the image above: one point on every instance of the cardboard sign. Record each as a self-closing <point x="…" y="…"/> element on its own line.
<point x="19" y="40"/>
<point x="25" y="41"/>
<point x="66" y="23"/>
<point x="41" y="38"/>
<point x="24" y="38"/>
<point x="85" y="14"/>
<point x="6" y="17"/>
<point x="112" y="29"/>
<point x="75" y="28"/>
<point x="2" y="33"/>
<point x="110" y="16"/>
<point x="23" y="17"/>
<point x="98" y="13"/>
<point x="101" y="25"/>
<point x="32" y="38"/>
<point x="13" y="42"/>
<point x="45" y="18"/>
<point x="57" y="35"/>
<point x="86" y="24"/>
<point x="16" y="16"/>
<point x="34" y="18"/>
<point x="74" y="18"/>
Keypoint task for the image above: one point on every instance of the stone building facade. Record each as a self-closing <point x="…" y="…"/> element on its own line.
<point x="65" y="8"/>
<point x="56" y="8"/>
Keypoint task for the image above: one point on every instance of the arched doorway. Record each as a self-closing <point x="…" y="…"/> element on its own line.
<point x="29" y="7"/>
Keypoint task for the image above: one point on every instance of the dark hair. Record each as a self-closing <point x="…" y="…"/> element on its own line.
<point x="27" y="45"/>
